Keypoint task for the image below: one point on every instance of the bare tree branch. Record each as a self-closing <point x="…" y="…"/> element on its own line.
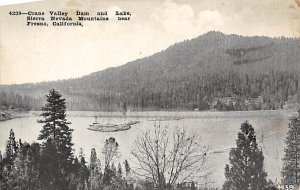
<point x="167" y="162"/>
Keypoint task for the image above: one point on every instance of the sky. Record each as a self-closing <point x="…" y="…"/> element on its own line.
<point x="36" y="54"/>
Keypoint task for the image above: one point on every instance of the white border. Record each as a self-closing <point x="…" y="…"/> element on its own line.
<point x="11" y="2"/>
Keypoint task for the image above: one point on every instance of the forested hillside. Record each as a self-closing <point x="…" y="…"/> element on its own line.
<point x="212" y="71"/>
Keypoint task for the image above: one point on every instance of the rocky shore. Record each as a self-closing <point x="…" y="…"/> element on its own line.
<point x="11" y="114"/>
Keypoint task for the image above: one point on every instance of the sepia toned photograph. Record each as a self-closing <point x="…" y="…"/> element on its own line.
<point x="150" y="95"/>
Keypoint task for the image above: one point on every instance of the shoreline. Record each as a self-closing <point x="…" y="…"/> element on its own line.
<point x="184" y="114"/>
<point x="14" y="114"/>
<point x="6" y="115"/>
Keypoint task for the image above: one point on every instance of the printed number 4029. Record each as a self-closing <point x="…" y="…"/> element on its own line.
<point x="286" y="187"/>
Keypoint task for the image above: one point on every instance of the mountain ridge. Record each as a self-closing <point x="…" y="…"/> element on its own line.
<point x="194" y="66"/>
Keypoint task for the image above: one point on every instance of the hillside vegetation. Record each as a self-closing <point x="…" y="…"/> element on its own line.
<point x="212" y="71"/>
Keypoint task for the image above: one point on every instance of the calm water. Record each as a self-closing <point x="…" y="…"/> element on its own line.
<point x="218" y="129"/>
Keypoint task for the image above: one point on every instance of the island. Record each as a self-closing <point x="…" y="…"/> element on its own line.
<point x="111" y="127"/>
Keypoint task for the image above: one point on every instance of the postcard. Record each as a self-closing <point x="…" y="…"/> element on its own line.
<point x="142" y="95"/>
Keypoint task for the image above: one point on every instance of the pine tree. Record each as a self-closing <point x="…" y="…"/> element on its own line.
<point x="57" y="152"/>
<point x="19" y="175"/>
<point x="81" y="155"/>
<point x="11" y="150"/>
<point x="83" y="174"/>
<point x="34" y="161"/>
<point x="7" y="163"/>
<point x="119" y="172"/>
<point x="54" y="113"/>
<point x="291" y="160"/>
<point x="127" y="168"/>
<point x="93" y="159"/>
<point x="50" y="169"/>
<point x="127" y="174"/>
<point x="55" y="128"/>
<point x="246" y="169"/>
<point x="95" y="170"/>
<point x="12" y="145"/>
<point x="25" y="171"/>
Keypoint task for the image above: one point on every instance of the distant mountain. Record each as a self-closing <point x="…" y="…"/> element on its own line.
<point x="212" y="71"/>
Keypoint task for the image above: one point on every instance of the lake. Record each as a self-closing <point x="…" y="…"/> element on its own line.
<point x="217" y="129"/>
